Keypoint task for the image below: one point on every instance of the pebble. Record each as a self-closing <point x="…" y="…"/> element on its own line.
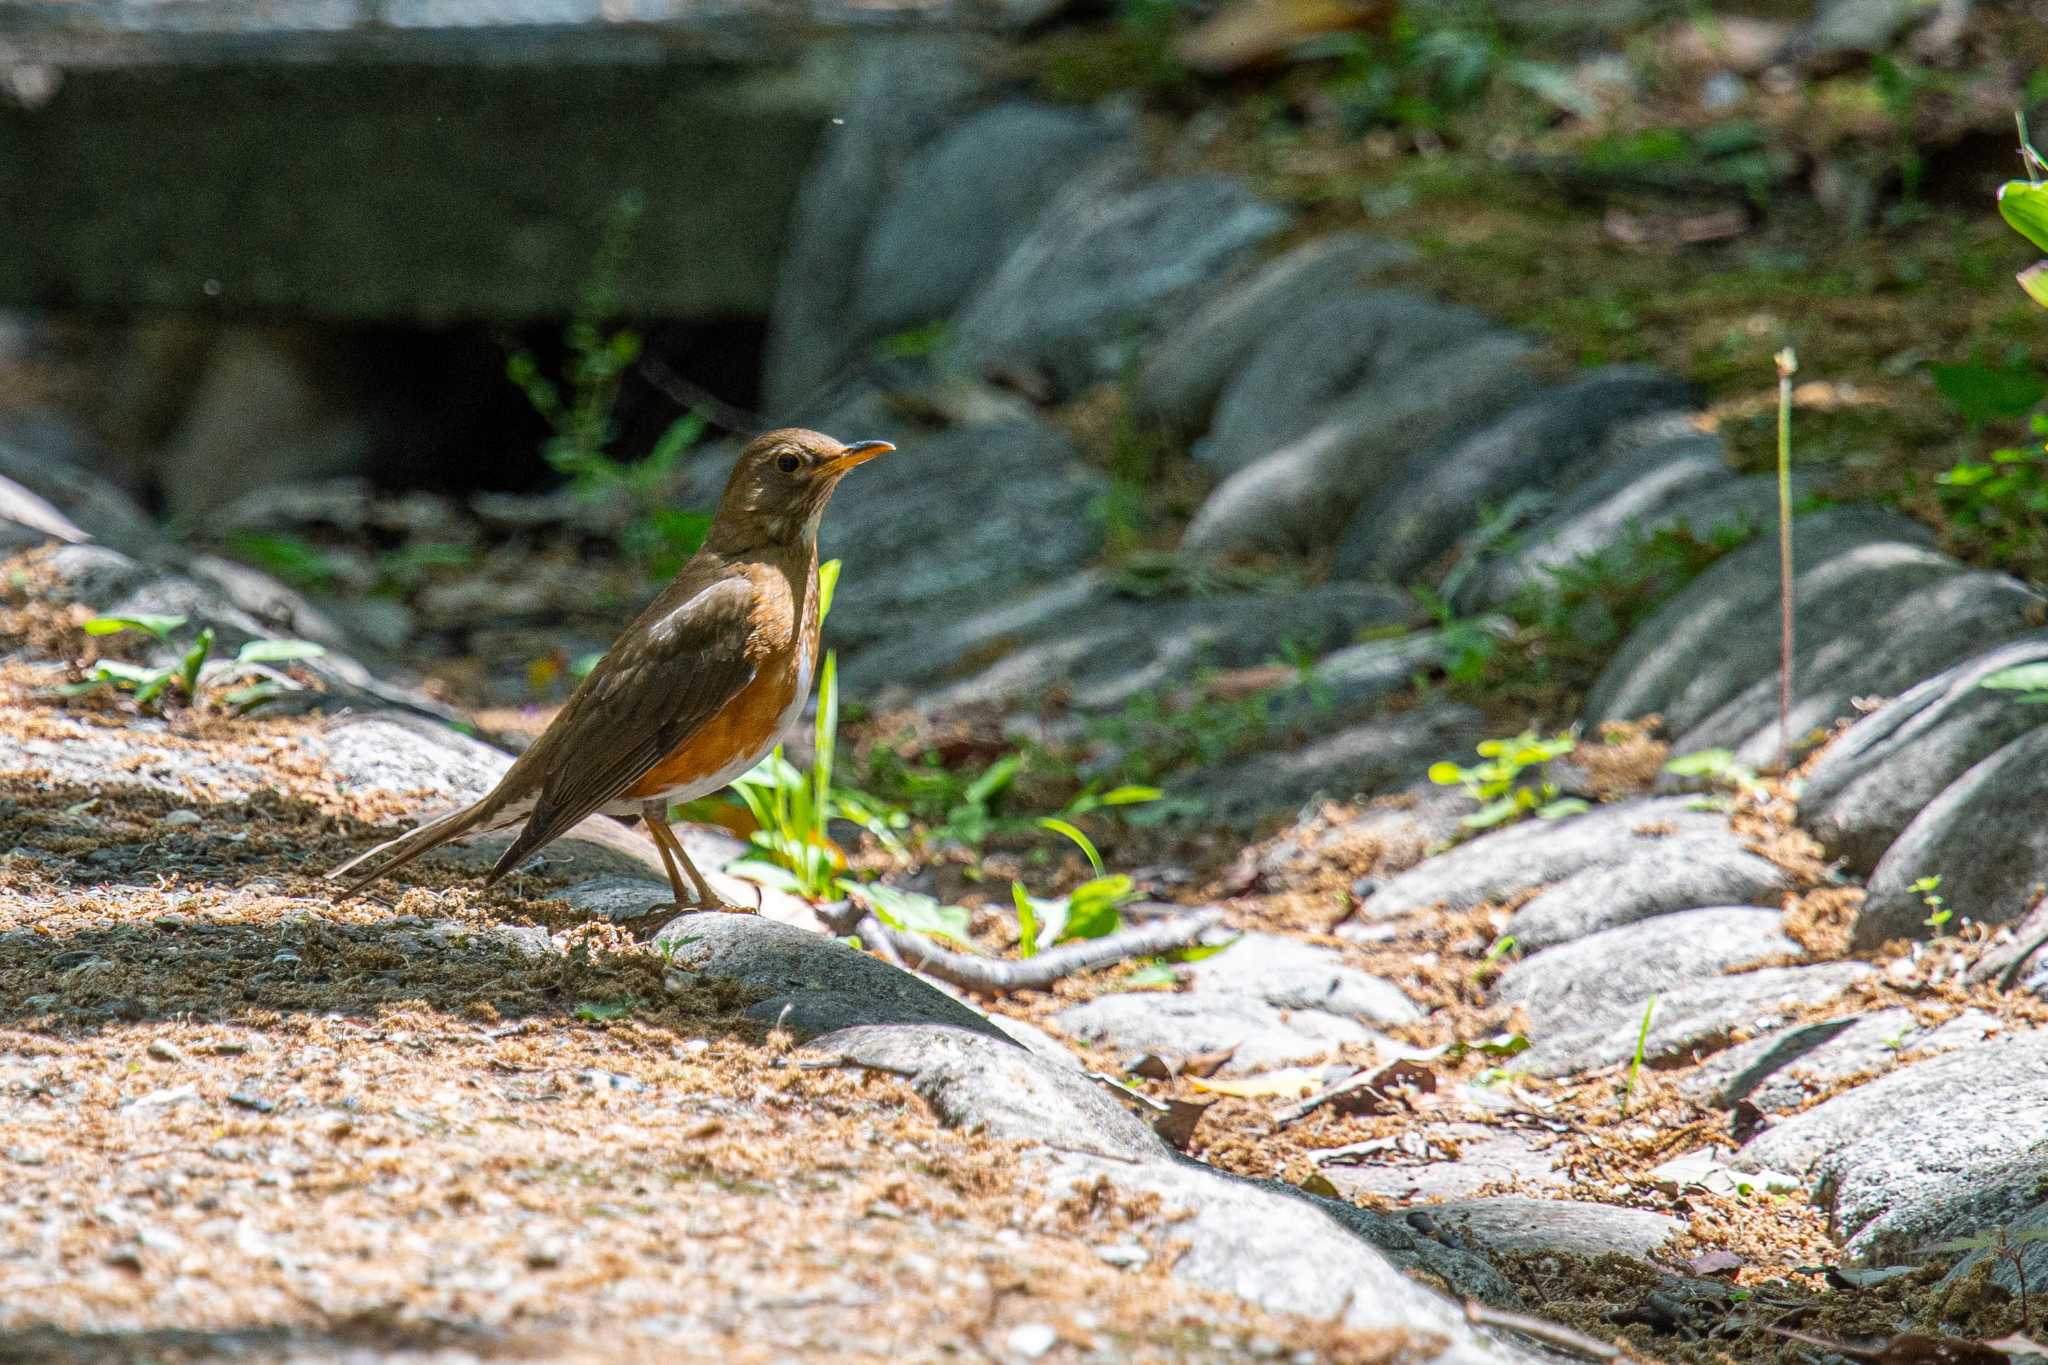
<point x="165" y="1051"/>
<point x="1031" y="1339"/>
<point x="1123" y="1255"/>
<point x="182" y="816"/>
<point x="610" y="1080"/>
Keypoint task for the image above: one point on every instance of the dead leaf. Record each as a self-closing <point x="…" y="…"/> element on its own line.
<point x="2015" y="1345"/>
<point x="1384" y="1088"/>
<point x="1251" y="33"/>
<point x="1319" y="1184"/>
<point x="1236" y="684"/>
<point x="1287" y="1083"/>
<point x="1206" y="1063"/>
<point x="1716" y="1262"/>
<point x="1913" y="1349"/>
<point x="1154" y="1067"/>
<point x="1177" y="1125"/>
<point x="1669" y="230"/>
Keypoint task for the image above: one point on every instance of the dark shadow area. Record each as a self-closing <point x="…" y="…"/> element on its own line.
<point x="242" y="923"/>
<point x="50" y="1345"/>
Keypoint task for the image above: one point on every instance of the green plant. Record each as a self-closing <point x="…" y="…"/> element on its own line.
<point x="1501" y="948"/>
<point x="2024" y="205"/>
<point x="1938" y="913"/>
<point x="1497" y="783"/>
<point x="2030" y="681"/>
<point x="195" y="668"/>
<point x="604" y="1011"/>
<point x="1716" y="767"/>
<point x="578" y="408"/>
<point x="1435" y="60"/>
<point x="2001" y="502"/>
<point x="1635" y="1066"/>
<point x="292" y="559"/>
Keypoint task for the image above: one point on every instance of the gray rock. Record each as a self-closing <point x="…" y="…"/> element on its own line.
<point x="1692" y="1020"/>
<point x="1874" y="777"/>
<point x="1487" y="1155"/>
<point x="1302" y="494"/>
<point x="1640" y="490"/>
<point x="1103" y="648"/>
<point x="1703" y="647"/>
<point x="1181" y="1025"/>
<point x="2028" y="1236"/>
<point x="1935" y="1148"/>
<point x="1618" y="969"/>
<point x="901" y="91"/>
<point x="1549" y="440"/>
<point x="1291" y="975"/>
<point x="1188" y="369"/>
<point x="963" y="202"/>
<point x="972" y="1080"/>
<point x="955" y="521"/>
<point x="1924" y="629"/>
<point x="1500" y="864"/>
<point x="55" y="462"/>
<point x="1508" y="1224"/>
<point x="1981" y="836"/>
<point x="1785" y="1070"/>
<point x="1112" y="257"/>
<point x="1327" y="349"/>
<point x="1292" y="1253"/>
<point x="1651" y="879"/>
<point x="811" y="984"/>
<point x="1373" y="756"/>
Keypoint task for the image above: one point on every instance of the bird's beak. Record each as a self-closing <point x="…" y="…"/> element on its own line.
<point x="860" y="452"/>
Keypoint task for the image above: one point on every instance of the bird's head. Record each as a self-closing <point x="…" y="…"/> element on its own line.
<point x="779" y="487"/>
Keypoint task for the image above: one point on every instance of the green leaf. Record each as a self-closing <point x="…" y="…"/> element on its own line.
<point x="1560" y="808"/>
<point x="277" y="651"/>
<point x="1492" y="813"/>
<point x="1153" y="974"/>
<point x="828" y="583"/>
<point x="1027" y="921"/>
<point x="1129" y="795"/>
<point x="1446" y="774"/>
<point x="1195" y="952"/>
<point x="916" y="913"/>
<point x="994" y="780"/>
<point x="598" y="1011"/>
<point x="2025" y="209"/>
<point x="2034" y="279"/>
<point x="1093" y="907"/>
<point x="1086" y="845"/>
<point x="159" y="626"/>
<point x="194" y="660"/>
<point x="1982" y="394"/>
<point x="2018" y="678"/>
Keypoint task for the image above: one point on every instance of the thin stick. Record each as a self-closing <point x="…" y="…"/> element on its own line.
<point x="996" y="977"/>
<point x="1788" y="365"/>
<point x="692" y="396"/>
<point x="1549" y="1333"/>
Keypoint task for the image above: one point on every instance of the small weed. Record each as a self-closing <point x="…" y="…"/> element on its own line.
<point x="1717" y="768"/>
<point x="1938" y="913"/>
<point x="2029" y="681"/>
<point x="1497" y="783"/>
<point x="912" y="343"/>
<point x="603" y="1011"/>
<point x="196" y="668"/>
<point x="578" y="407"/>
<point x="290" y="559"/>
<point x="1503" y="947"/>
<point x="1635" y="1066"/>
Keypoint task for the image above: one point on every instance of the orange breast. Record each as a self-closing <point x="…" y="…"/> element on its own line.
<point x="740" y="733"/>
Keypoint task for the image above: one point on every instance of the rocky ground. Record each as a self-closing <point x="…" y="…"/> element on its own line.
<point x="1704" y="1066"/>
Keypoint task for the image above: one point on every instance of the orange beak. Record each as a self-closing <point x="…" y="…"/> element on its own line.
<point x="860" y="452"/>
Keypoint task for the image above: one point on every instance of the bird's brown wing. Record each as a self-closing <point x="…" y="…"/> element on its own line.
<point x="670" y="672"/>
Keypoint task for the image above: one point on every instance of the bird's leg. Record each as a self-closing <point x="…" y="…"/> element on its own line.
<point x="655" y="814"/>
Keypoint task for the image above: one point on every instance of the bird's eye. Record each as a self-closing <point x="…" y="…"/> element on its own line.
<point x="787" y="463"/>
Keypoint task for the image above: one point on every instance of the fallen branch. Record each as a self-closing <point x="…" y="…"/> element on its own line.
<point x="996" y="976"/>
<point x="1541" y="1329"/>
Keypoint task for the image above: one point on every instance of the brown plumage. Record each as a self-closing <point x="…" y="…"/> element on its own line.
<point x="695" y="692"/>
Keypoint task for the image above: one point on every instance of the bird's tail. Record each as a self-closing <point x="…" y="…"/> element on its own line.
<point x="393" y="854"/>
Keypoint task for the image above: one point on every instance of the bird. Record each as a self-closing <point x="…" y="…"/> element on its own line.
<point x="696" y="691"/>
